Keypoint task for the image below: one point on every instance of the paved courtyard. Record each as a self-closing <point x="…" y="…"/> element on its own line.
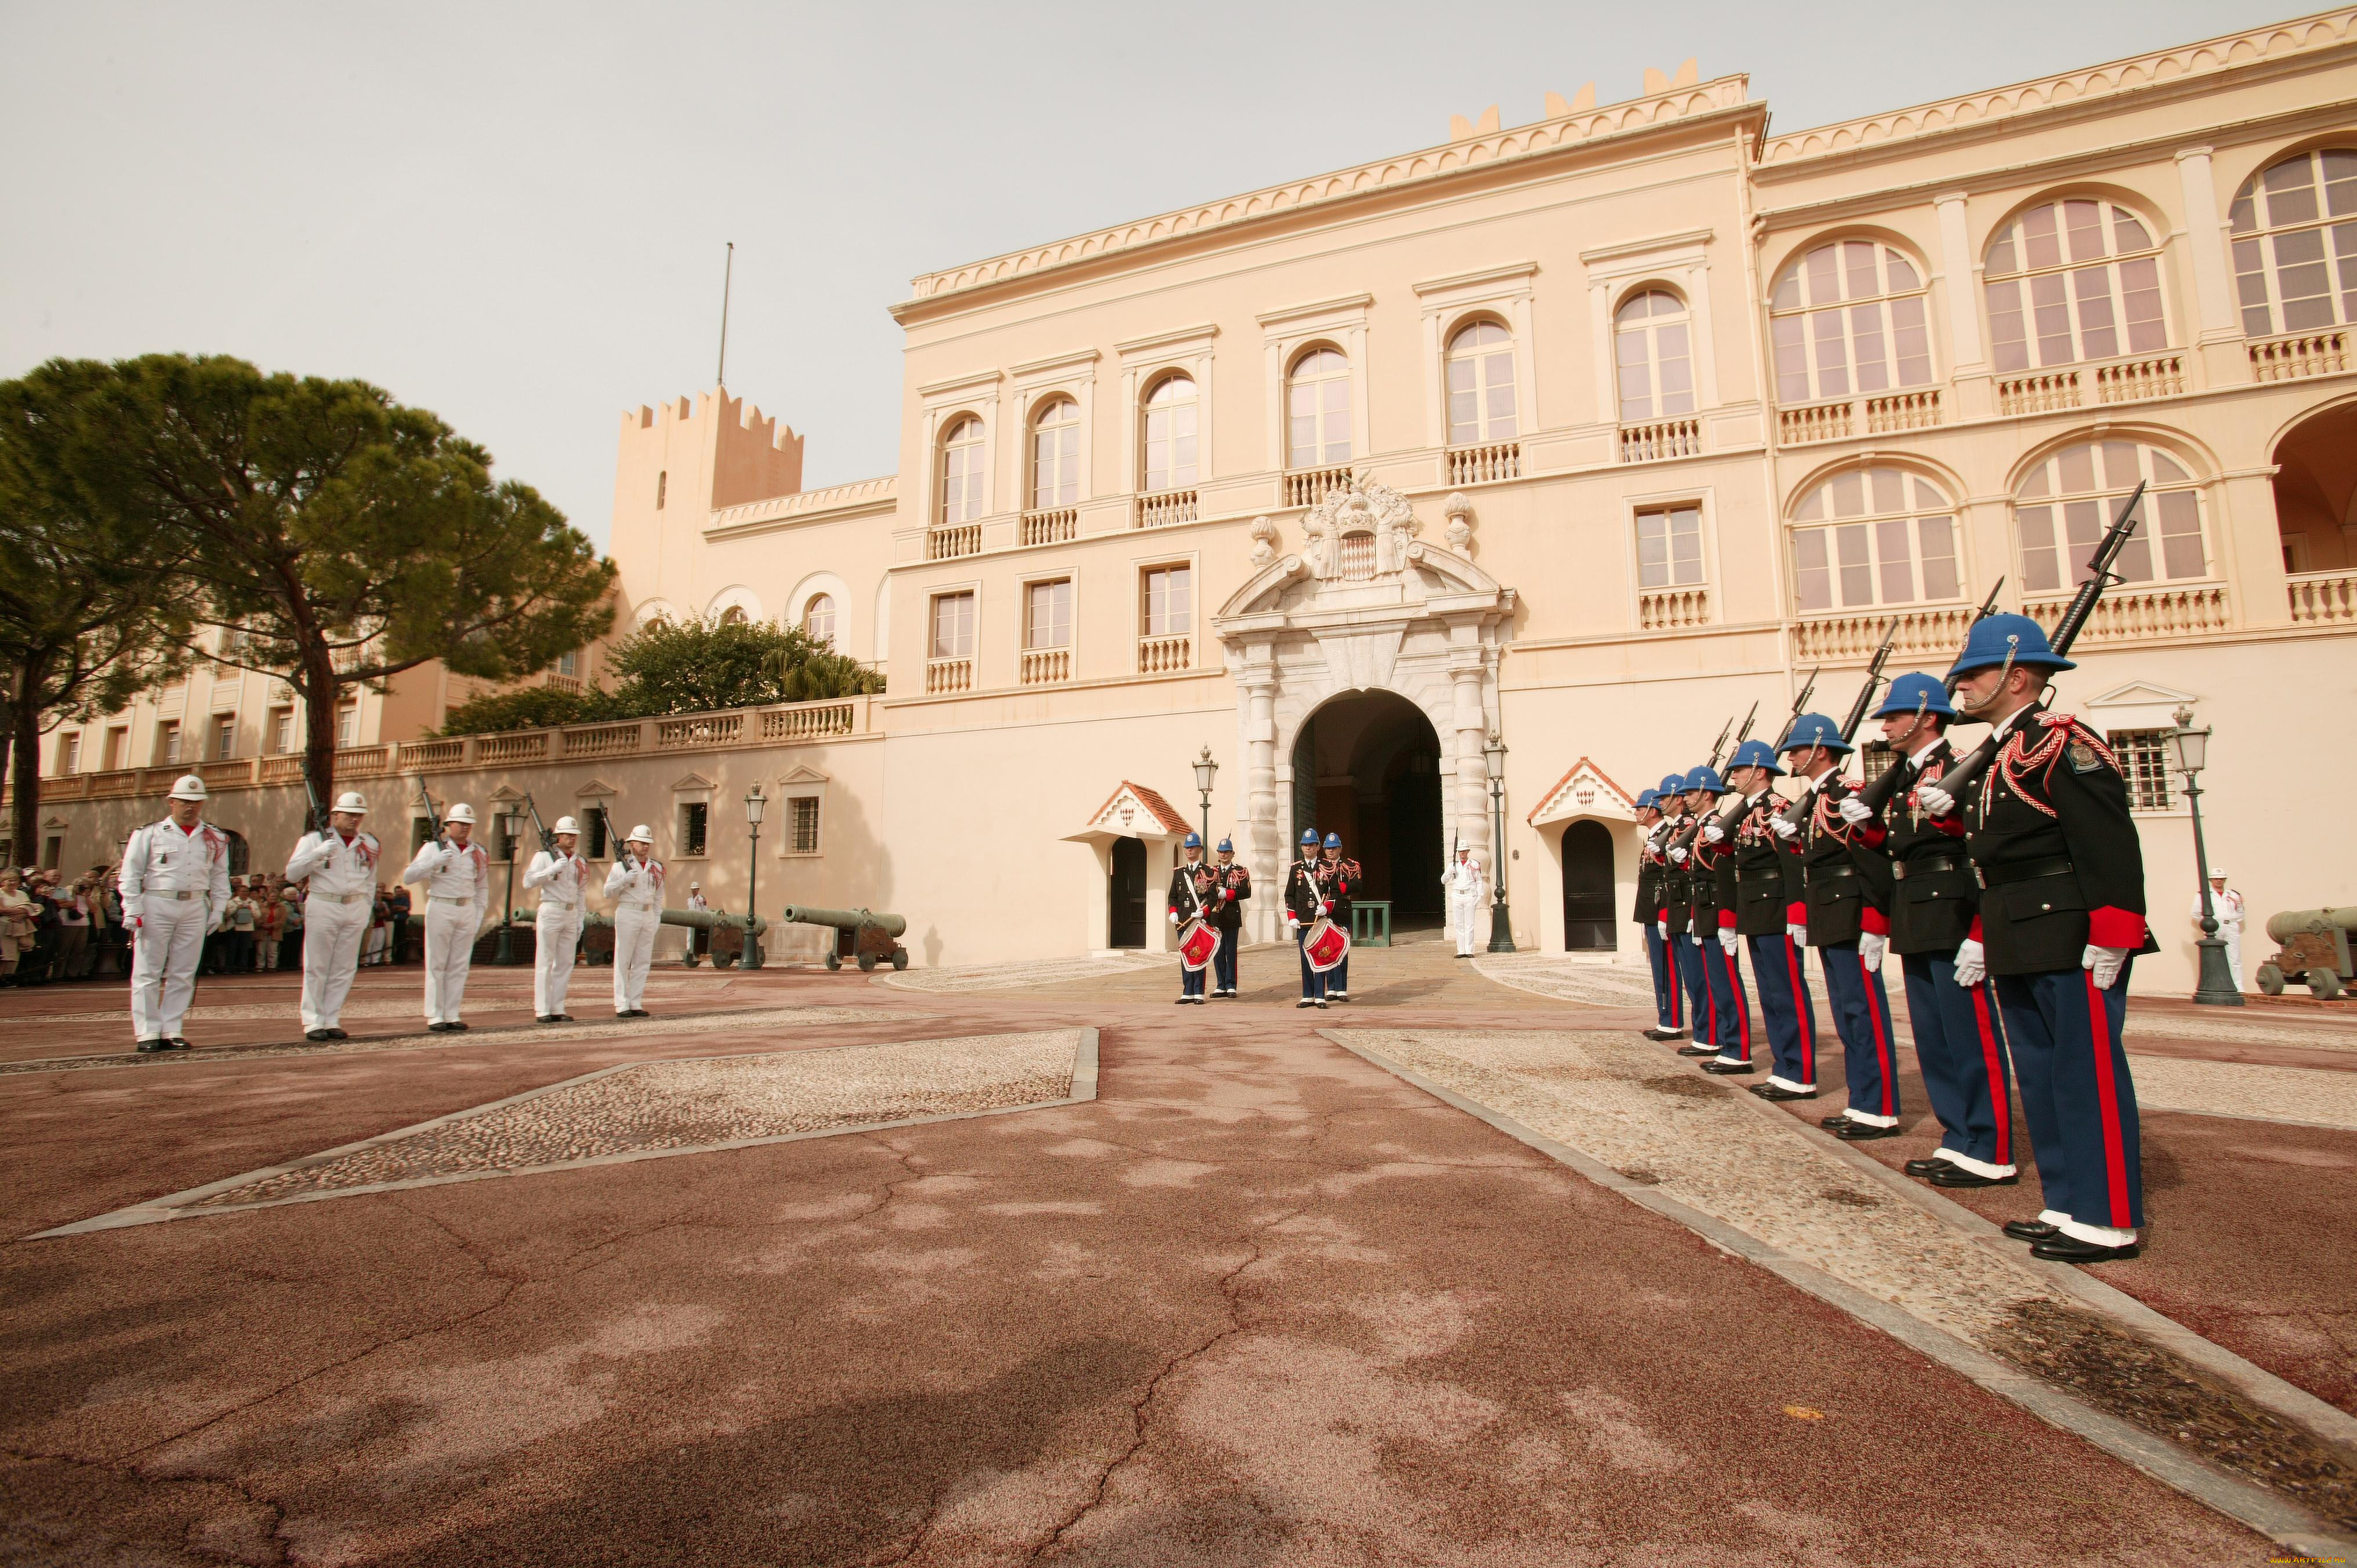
<point x="1024" y="1264"/>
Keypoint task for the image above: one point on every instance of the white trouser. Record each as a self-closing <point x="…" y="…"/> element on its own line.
<point x="556" y="932"/>
<point x="166" y="946"/>
<point x="1462" y="912"/>
<point x="331" y="953"/>
<point x="634" y="949"/>
<point x="450" y="931"/>
<point x="2233" y="937"/>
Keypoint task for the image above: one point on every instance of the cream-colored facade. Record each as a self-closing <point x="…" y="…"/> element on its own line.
<point x="1587" y="433"/>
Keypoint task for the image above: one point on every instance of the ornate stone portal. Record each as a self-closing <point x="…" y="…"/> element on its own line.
<point x="1365" y="606"/>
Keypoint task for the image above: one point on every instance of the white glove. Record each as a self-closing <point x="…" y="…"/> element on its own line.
<point x="1711" y="833"/>
<point x="1797" y="933"/>
<point x="1853" y="810"/>
<point x="1728" y="940"/>
<point x="1678" y="855"/>
<point x="1174" y="916"/>
<point x="1935" y="801"/>
<point x="2105" y="963"/>
<point x="1662" y="926"/>
<point x="1292" y="923"/>
<point x="1782" y="829"/>
<point x="1870" y="948"/>
<point x="1972" y="967"/>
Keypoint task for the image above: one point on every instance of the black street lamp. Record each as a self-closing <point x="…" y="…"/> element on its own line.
<point x="1205" y="771"/>
<point x="511" y="824"/>
<point x="1502" y="921"/>
<point x="754" y="804"/>
<point x="2216" y="986"/>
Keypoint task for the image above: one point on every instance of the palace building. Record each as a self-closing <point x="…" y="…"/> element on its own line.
<point x="1585" y="435"/>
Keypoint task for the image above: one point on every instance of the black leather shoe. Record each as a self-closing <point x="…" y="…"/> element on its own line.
<point x="1697" y="1050"/>
<point x="1658" y="1033"/>
<point x="1834" y="1123"/>
<point x="1923" y="1168"/>
<point x="1863" y="1132"/>
<point x="1307" y="1002"/>
<point x="546" y="1018"/>
<point x="2029" y="1230"/>
<point x="153" y="1045"/>
<point x="2060" y="1249"/>
<point x="1778" y="1091"/>
<point x="1956" y="1176"/>
<point x="456" y="1026"/>
<point x="563" y="1018"/>
<point x="179" y="1043"/>
<point x="437" y="1028"/>
<point x="1321" y="1006"/>
<point x="1722" y="1069"/>
<point x="337" y="1034"/>
<point x="313" y="1035"/>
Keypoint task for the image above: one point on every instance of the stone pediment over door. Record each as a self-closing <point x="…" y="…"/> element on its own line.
<point x="1584" y="791"/>
<point x="1133" y="812"/>
<point x="1362" y="562"/>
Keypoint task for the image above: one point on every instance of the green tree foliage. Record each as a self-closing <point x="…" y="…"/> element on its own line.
<point x="524" y="707"/>
<point x="343" y="537"/>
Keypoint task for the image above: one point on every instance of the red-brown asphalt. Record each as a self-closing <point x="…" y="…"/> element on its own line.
<point x="1261" y="1303"/>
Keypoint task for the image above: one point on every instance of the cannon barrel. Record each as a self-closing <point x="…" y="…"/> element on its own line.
<point x="842" y="919"/>
<point x="2294" y="922"/>
<point x="695" y="920"/>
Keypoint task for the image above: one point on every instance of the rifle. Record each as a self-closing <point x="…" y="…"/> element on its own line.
<point x="1726" y="819"/>
<point x="1740" y="736"/>
<point x="1800" y="706"/>
<point x="1693" y="822"/>
<point x="2066" y="631"/>
<point x="433" y="815"/>
<point x="1798" y="812"/>
<point x="1877" y="794"/>
<point x="547" y="839"/>
<point x="318" y="812"/>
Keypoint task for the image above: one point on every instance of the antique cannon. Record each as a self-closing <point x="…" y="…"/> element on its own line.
<point x="2315" y="944"/>
<point x="872" y="937"/>
<point x="724" y="935"/>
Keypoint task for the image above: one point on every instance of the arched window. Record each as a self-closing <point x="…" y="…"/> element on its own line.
<point x="818" y="618"/>
<point x="1318" y="409"/>
<point x="1650" y="347"/>
<point x="1480" y="384"/>
<point x="1874" y="536"/>
<point x="2295" y="230"/>
<point x="1056" y="455"/>
<point x="2064" y="507"/>
<point x="961" y="472"/>
<point x="1169" y="434"/>
<point x="2073" y="279"/>
<point x="733" y="615"/>
<point x="1848" y="318"/>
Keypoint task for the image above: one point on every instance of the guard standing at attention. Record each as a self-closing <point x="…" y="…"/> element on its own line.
<point x="1711" y="875"/>
<point x="456" y="876"/>
<point x="1464" y="888"/>
<point x="175" y="887"/>
<point x="2061" y="920"/>
<point x="1669" y="1017"/>
<point x="562" y="876"/>
<point x="1959" y="1034"/>
<point x="1848" y="923"/>
<point x="1234" y="886"/>
<point x="339" y="862"/>
<point x="1339" y="878"/>
<point x="1685" y="958"/>
<point x="1305" y="901"/>
<point x="1762" y="885"/>
<point x="1189" y="900"/>
<point x="637" y="880"/>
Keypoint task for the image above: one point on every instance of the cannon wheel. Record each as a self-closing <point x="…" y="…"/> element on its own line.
<point x="900" y="957"/>
<point x="867" y="963"/>
<point x="2323" y="982"/>
<point x="833" y="959"/>
<point x="2271" y="980"/>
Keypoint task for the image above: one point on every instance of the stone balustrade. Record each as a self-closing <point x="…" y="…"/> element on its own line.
<point x="1485" y="464"/>
<point x="1056" y="525"/>
<point x="1165" y="655"/>
<point x="1664" y="438"/>
<point x="2323" y="599"/>
<point x="947" y="543"/>
<point x="1307" y="486"/>
<point x="1666" y="609"/>
<point x="2300" y="355"/>
<point x="1162" y="509"/>
<point x="1046" y="666"/>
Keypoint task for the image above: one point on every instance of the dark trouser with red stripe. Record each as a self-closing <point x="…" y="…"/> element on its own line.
<point x="1784" y="1004"/>
<point x="2076" y="1096"/>
<point x="1669" y="1010"/>
<point x="1687" y="957"/>
<point x="1960" y="1047"/>
<point x="1862" y="1017"/>
<point x="1730" y="1011"/>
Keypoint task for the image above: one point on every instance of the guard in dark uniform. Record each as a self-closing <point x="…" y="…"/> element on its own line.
<point x="1959" y="1031"/>
<point x="1339" y="879"/>
<point x="1761" y="883"/>
<point x="1848" y="893"/>
<point x="1729" y="1038"/>
<point x="1677" y="910"/>
<point x="1190" y="900"/>
<point x="1668" y="1013"/>
<point x="1304" y="898"/>
<point x="1232" y="885"/>
<point x="2061" y="920"/>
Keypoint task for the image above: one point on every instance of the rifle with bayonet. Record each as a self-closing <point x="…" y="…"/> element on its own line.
<point x="1877" y="794"/>
<point x="1798" y="812"/>
<point x="1724" y="822"/>
<point x="547" y="839"/>
<point x="1695" y="821"/>
<point x="1956" y="779"/>
<point x="433" y="813"/>
<point x="318" y="812"/>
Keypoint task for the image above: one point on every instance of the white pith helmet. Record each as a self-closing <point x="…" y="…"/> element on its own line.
<point x="189" y="788"/>
<point x="565" y="826"/>
<point x="352" y="800"/>
<point x="461" y="813"/>
<point x="641" y="834"/>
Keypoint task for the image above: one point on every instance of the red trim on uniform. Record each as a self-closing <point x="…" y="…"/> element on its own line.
<point x="1865" y="979"/>
<point x="2107" y="1098"/>
<point x="1953" y="824"/>
<point x="1995" y="1065"/>
<point x="1976" y="927"/>
<point x="1743" y="1012"/>
<point x="1808" y="1024"/>
<point x="1874" y="921"/>
<point x="2110" y="927"/>
<point x="1873" y="833"/>
<point x="1710" y="1004"/>
<point x="1727" y="919"/>
<point x="1796" y="914"/>
<point x="1677" y="985"/>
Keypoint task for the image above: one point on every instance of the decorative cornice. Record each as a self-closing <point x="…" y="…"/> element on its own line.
<point x="1177" y="338"/>
<point x="1627" y="249"/>
<point x="1054" y="365"/>
<point x="860" y="495"/>
<point x="1488" y="276"/>
<point x="1349" y="302"/>
<point x="953" y="385"/>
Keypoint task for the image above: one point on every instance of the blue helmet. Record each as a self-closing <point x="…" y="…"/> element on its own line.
<point x="1755" y="754"/>
<point x="1645" y="797"/>
<point x="1192" y="841"/>
<point x="1815" y="729"/>
<point x="1227" y="846"/>
<point x="2007" y="639"/>
<point x="1916" y="692"/>
<point x="1309" y="837"/>
<point x="1333" y="841"/>
<point x="1704" y="777"/>
<point x="1673" y="783"/>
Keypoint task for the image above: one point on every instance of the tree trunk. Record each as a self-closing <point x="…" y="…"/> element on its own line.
<point x="25" y="742"/>
<point x="7" y="744"/>
<point x="319" y="690"/>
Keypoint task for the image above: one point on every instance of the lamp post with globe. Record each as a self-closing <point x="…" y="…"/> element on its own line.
<point x="2191" y="750"/>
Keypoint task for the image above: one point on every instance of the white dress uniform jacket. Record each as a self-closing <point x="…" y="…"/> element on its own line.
<point x="2226" y="908"/>
<point x="1466" y="888"/>
<point x="458" y="886"/>
<point x="556" y="925"/>
<point x="337" y="909"/>
<point x="637" y="886"/>
<point x="176" y="888"/>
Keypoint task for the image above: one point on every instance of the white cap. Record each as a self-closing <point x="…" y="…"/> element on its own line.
<point x="189" y="788"/>
<point x="352" y="800"/>
<point x="565" y="826"/>
<point x="461" y="813"/>
<point x="696" y="887"/>
<point x="2217" y="874"/>
<point x="641" y="834"/>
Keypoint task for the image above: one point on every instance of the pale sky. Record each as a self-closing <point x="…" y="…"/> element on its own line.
<point x="513" y="215"/>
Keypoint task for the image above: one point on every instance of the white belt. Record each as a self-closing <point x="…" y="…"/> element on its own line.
<point x="443" y="898"/>
<point x="333" y="897"/>
<point x="181" y="897"/>
<point x="636" y="909"/>
<point x="558" y="904"/>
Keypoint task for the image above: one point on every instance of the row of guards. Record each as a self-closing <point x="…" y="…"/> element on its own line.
<point x="1206" y="904"/>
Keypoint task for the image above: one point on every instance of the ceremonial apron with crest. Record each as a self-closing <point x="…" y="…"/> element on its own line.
<point x="1198" y="940"/>
<point x="1327" y="945"/>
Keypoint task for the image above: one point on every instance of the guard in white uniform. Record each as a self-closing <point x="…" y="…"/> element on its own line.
<point x="1466" y="888"/>
<point x="175" y="889"/>
<point x="2226" y="908"/>
<point x="339" y="862"/>
<point x="562" y="876"/>
<point x="455" y="875"/>
<point x="637" y="880"/>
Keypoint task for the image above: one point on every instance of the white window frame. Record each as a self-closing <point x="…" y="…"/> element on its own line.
<point x="1036" y="382"/>
<point x="68" y="759"/>
<point x="942" y="404"/>
<point x="1677" y="261"/>
<point x="2264" y="234"/>
<point x="1285" y="334"/>
<point x="1071" y="579"/>
<point x="2108" y="498"/>
<point x="1144" y="360"/>
<point x="1484" y="415"/>
<point x="800" y="782"/>
<point x="1141" y="564"/>
<point x="1654" y="360"/>
<point x="977" y="451"/>
<point x="1704" y="497"/>
<point x="933" y="596"/>
<point x="693" y="790"/>
<point x="2115" y="288"/>
<point x="1885" y="302"/>
<point x="1637" y="516"/>
<point x="1033" y="424"/>
<point x="1451" y="303"/>
<point x="1908" y="512"/>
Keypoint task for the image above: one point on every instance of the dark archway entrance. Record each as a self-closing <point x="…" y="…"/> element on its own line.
<point x="1367" y="765"/>
<point x="1128" y="899"/>
<point x="2316" y="493"/>
<point x="1589" y="914"/>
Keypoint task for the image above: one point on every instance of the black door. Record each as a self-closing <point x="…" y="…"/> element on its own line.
<point x="1128" y="894"/>
<point x="1588" y="923"/>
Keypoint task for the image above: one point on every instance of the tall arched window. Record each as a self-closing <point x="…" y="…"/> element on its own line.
<point x="1056" y="455"/>
<point x="1874" y="536"/>
<point x="1480" y="384"/>
<point x="2295" y="229"/>
<point x="1848" y="318"/>
<point x="733" y="615"/>
<point x="961" y="472"/>
<point x="1650" y="346"/>
<point x="818" y="618"/>
<point x="1170" y="446"/>
<point x="1318" y="409"/>
<point x="2070" y="281"/>
<point x="2064" y="507"/>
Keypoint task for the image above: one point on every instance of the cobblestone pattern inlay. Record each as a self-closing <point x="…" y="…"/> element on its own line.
<point x="2311" y="1095"/>
<point x="1014" y="976"/>
<point x="681" y="1105"/>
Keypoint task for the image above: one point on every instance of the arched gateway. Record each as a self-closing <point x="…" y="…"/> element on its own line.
<point x="1366" y="605"/>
